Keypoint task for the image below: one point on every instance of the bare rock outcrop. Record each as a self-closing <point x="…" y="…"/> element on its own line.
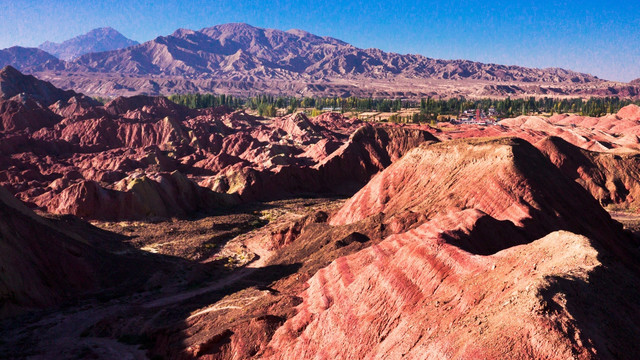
<point x="611" y="178"/>
<point x="416" y="295"/>
<point x="155" y="196"/>
<point x="506" y="178"/>
<point x="20" y="113"/>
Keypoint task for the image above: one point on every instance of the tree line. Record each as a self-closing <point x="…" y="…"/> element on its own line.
<point x="202" y="101"/>
<point x="430" y="108"/>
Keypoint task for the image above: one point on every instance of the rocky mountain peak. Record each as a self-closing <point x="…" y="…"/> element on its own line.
<point x="96" y="40"/>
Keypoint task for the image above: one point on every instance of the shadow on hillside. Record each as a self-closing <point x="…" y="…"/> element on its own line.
<point x="605" y="309"/>
<point x="165" y="307"/>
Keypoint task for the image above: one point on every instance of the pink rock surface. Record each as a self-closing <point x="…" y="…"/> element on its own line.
<point x="414" y="295"/>
<point x="225" y="157"/>
<point x="504" y="178"/>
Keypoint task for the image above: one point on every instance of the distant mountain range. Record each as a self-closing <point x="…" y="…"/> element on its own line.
<point x="96" y="40"/>
<point x="241" y="59"/>
<point x="244" y="51"/>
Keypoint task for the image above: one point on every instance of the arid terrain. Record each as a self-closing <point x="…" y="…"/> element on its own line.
<point x="143" y="229"/>
<point x="241" y="60"/>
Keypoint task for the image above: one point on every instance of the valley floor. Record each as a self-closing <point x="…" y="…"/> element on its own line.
<point x="230" y="247"/>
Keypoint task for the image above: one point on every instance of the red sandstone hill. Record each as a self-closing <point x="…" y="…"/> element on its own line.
<point x="599" y="153"/>
<point x="471" y="279"/>
<point x="458" y="249"/>
<point x="631" y="112"/>
<point x="604" y="133"/>
<point x="614" y="133"/>
<point x="507" y="179"/>
<point x="142" y="157"/>
<point x="31" y="249"/>
<point x="21" y="113"/>
<point x="24" y="100"/>
<point x="415" y="295"/>
<point x="610" y="178"/>
<point x="463" y="248"/>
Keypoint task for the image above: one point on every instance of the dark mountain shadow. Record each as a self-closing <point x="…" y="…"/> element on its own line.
<point x="603" y="309"/>
<point x="142" y="286"/>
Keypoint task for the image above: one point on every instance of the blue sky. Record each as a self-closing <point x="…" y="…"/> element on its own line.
<point x="598" y="37"/>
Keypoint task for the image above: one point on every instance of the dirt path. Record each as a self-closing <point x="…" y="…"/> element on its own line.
<point x="234" y="277"/>
<point x="69" y="333"/>
<point x="222" y="305"/>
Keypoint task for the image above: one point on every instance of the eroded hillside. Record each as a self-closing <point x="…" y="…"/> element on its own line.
<point x="220" y="235"/>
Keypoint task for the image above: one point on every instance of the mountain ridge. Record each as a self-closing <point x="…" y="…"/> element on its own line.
<point x="238" y="59"/>
<point x="96" y="40"/>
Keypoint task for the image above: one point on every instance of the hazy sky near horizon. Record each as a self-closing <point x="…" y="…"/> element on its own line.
<point x="597" y="37"/>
